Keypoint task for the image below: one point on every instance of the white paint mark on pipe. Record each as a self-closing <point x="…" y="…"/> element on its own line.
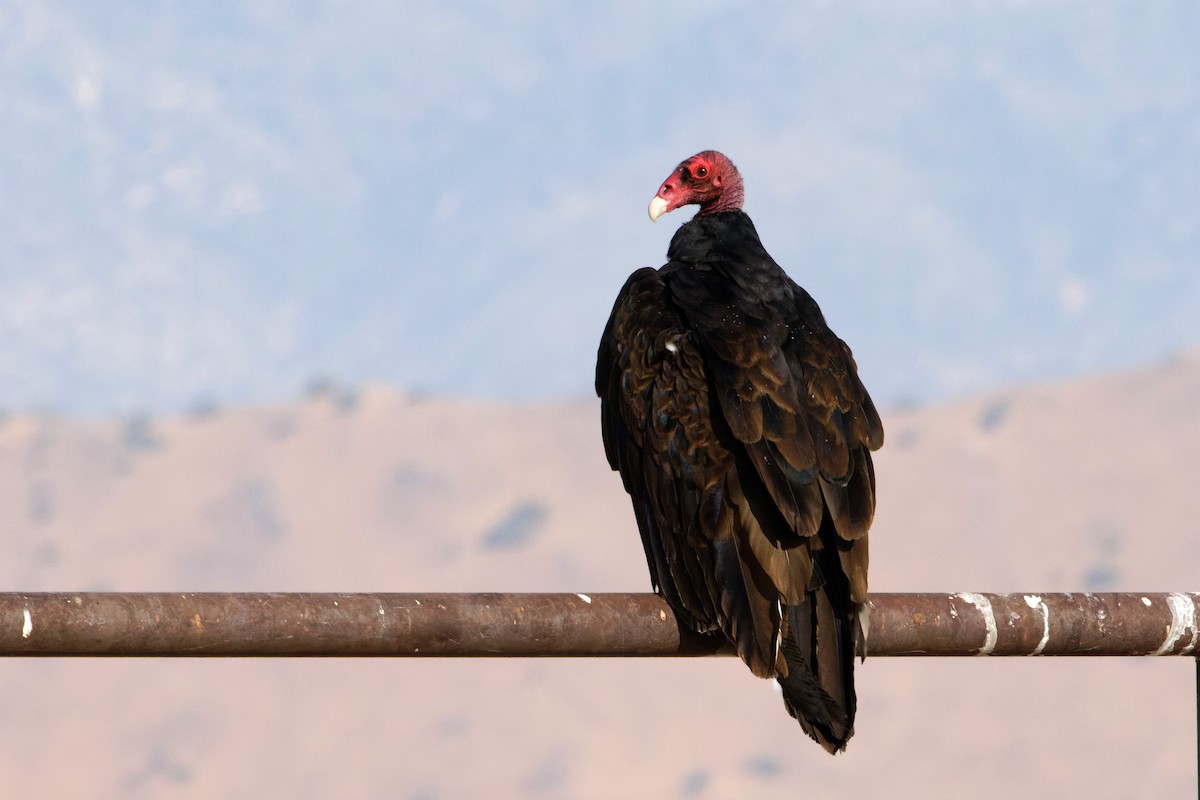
<point x="27" y="627"/>
<point x="989" y="620"/>
<point x="1183" y="620"/>
<point x="1036" y="601"/>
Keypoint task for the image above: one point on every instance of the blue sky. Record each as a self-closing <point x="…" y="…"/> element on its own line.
<point x="221" y="202"/>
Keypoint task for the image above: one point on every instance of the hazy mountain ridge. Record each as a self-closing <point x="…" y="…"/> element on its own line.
<point x="1072" y="486"/>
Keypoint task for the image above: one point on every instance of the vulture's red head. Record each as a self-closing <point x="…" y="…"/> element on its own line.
<point x="708" y="179"/>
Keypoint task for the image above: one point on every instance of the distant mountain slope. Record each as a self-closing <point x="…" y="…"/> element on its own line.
<point x="1083" y="485"/>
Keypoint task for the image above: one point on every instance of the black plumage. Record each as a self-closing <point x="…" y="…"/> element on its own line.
<point x="742" y="433"/>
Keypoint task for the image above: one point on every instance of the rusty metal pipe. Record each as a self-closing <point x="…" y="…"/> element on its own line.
<point x="262" y="624"/>
<point x="1029" y="624"/>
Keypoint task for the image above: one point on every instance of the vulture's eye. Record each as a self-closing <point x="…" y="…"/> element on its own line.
<point x="701" y="172"/>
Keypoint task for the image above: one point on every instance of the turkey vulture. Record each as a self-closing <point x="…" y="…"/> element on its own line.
<point x="743" y="435"/>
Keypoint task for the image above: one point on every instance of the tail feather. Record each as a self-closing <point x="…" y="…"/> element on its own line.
<point x="818" y="654"/>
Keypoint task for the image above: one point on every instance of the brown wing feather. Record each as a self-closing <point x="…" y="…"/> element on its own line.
<point x="742" y="433"/>
<point x="655" y="418"/>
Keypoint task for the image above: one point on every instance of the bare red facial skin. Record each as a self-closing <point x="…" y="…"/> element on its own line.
<point x="707" y="179"/>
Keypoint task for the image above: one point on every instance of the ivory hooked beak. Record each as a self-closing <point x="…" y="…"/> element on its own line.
<point x="658" y="207"/>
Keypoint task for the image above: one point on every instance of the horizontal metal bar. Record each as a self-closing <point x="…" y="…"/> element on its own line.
<point x="1028" y="624"/>
<point x="261" y="624"/>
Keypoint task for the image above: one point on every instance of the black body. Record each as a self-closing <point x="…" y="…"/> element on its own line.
<point x="743" y="436"/>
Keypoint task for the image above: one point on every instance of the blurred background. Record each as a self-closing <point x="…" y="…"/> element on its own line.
<point x="306" y="297"/>
<point x="222" y="203"/>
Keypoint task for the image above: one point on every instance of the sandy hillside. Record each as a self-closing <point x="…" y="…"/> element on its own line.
<point x="1087" y="485"/>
